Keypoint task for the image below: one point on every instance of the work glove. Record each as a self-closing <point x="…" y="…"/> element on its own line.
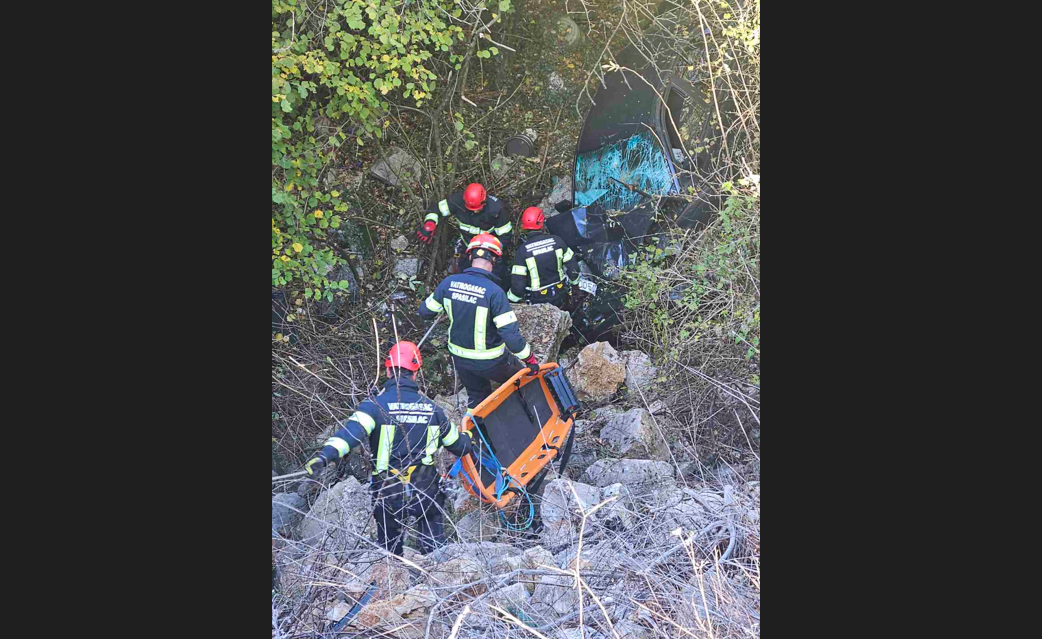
<point x="315" y="467"/>
<point x="426" y="234"/>
<point x="533" y="365"/>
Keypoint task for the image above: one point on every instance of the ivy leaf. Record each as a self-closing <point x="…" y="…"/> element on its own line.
<point x="459" y="125"/>
<point x="504" y="5"/>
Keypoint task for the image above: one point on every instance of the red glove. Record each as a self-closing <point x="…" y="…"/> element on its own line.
<point x="426" y="234"/>
<point x="533" y="364"/>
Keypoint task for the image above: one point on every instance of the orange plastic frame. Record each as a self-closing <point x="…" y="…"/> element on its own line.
<point x="535" y="457"/>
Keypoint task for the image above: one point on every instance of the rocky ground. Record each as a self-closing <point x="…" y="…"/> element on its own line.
<point x="638" y="540"/>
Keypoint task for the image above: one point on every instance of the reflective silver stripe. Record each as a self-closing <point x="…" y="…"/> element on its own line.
<point x="503" y="230"/>
<point x="340" y="445"/>
<point x="474" y="230"/>
<point x="480" y="326"/>
<point x="533" y="274"/>
<point x="431" y="217"/>
<point x="569" y="255"/>
<point x="366" y="421"/>
<point x="467" y="353"/>
<point x="512" y="297"/>
<point x="448" y="311"/>
<point x="505" y="319"/>
<point x="560" y="265"/>
<point x="453" y="435"/>
<point x="520" y="270"/>
<point x="433" y="435"/>
<point x="524" y="353"/>
<point x="444" y="206"/>
<point x="433" y="305"/>
<point x="383" y="454"/>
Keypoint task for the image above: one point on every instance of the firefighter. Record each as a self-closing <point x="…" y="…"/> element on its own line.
<point x="481" y="324"/>
<point x="404" y="429"/>
<point x="543" y="264"/>
<point x="476" y="212"/>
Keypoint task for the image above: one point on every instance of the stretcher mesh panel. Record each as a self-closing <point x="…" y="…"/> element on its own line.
<point x="510" y="430"/>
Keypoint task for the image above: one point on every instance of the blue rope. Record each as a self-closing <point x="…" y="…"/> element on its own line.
<point x="503" y="479"/>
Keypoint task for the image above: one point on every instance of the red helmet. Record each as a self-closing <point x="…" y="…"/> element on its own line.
<point x="533" y="218"/>
<point x="474" y="197"/>
<point x="404" y="355"/>
<point x="486" y="241"/>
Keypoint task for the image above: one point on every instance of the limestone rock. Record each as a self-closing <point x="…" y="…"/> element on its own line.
<point x="399" y="165"/>
<point x="341" y="510"/>
<point x="633" y="434"/>
<point x="283" y="512"/>
<point x="598" y="374"/>
<point x="545" y="327"/>
<point x="629" y="472"/>
<point x="640" y="373"/>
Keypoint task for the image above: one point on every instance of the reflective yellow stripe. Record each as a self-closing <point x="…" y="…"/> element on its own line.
<point x="431" y="217"/>
<point x="444" y="206"/>
<point x="383" y="454"/>
<point x="433" y="305"/>
<point x="525" y="353"/>
<point x="433" y="435"/>
<point x="533" y="274"/>
<point x="512" y="297"/>
<point x="480" y="326"/>
<point x="448" y="311"/>
<point x="505" y="319"/>
<point x="467" y="353"/>
<point x="503" y="230"/>
<point x="560" y="265"/>
<point x="367" y="422"/>
<point x="520" y="270"/>
<point x="340" y="445"/>
<point x="474" y="230"/>
<point x="453" y="435"/>
<point x="569" y="255"/>
<point x="575" y="281"/>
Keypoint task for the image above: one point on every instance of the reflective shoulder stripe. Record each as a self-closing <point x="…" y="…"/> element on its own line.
<point x="569" y="255"/>
<point x="383" y="454"/>
<point x="340" y="445"/>
<point x="468" y="353"/>
<point x="365" y="420"/>
<point x="433" y="305"/>
<point x="503" y="230"/>
<point x="444" y="207"/>
<point x="524" y="353"/>
<point x="480" y="327"/>
<point x="520" y="270"/>
<point x="453" y="435"/>
<point x="433" y="435"/>
<point x="512" y="297"/>
<point x="431" y="217"/>
<point x="505" y="319"/>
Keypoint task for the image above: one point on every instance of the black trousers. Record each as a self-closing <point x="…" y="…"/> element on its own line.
<point x="395" y="502"/>
<point x="477" y="376"/>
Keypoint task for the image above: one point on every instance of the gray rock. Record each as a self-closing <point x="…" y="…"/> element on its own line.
<point x="545" y="328"/>
<point x="578" y="633"/>
<point x="619" y="514"/>
<point x="629" y="472"/>
<point x="501" y="166"/>
<point x="681" y="508"/>
<point x="400" y="243"/>
<point x="484" y="551"/>
<point x="407" y="269"/>
<point x="555" y="82"/>
<point x="561" y="512"/>
<point x="631" y="630"/>
<point x="455" y="406"/>
<point x="478" y="525"/>
<point x="513" y="596"/>
<point x="399" y="165"/>
<point x="344" y="509"/>
<point x="283" y="517"/>
<point x="562" y="192"/>
<point x="584" y="454"/>
<point x="633" y="434"/>
<point x="598" y="374"/>
<point x="640" y="373"/>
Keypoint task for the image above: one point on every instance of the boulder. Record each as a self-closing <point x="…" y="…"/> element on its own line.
<point x="618" y="515"/>
<point x="478" y="525"/>
<point x="403" y="612"/>
<point x="340" y="511"/>
<point x="598" y="374"/>
<point x="459" y="572"/>
<point x="555" y="594"/>
<point x="513" y="596"/>
<point x="399" y="165"/>
<point x="562" y="192"/>
<point x="407" y="269"/>
<point x="400" y="243"/>
<point x="561" y="511"/>
<point x="680" y="508"/>
<point x="640" y="373"/>
<point x="555" y="82"/>
<point x="455" y="406"/>
<point x="486" y="552"/>
<point x="633" y="434"/>
<point x="284" y="517"/>
<point x="629" y="472"/>
<point x="545" y="327"/>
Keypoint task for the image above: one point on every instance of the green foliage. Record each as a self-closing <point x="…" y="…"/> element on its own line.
<point x="344" y="69"/>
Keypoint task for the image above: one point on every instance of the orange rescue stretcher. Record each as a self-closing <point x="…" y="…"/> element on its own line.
<point x="521" y="427"/>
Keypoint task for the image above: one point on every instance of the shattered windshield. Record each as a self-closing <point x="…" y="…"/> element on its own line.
<point x="637" y="161"/>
